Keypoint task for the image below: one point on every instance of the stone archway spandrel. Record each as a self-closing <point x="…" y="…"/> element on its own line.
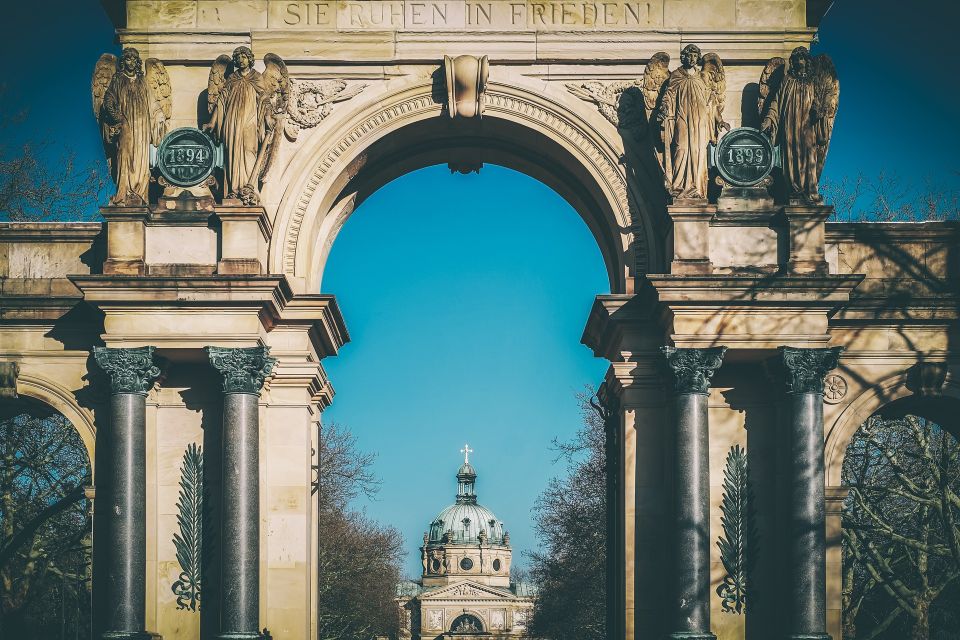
<point x="330" y="159"/>
<point x="840" y="431"/>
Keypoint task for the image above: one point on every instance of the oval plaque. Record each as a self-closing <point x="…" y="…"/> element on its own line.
<point x="186" y="157"/>
<point x="745" y="156"/>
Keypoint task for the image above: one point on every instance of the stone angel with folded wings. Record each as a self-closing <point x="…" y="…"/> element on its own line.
<point x="690" y="112"/>
<point x="247" y="110"/>
<point x="798" y="104"/>
<point x="131" y="101"/>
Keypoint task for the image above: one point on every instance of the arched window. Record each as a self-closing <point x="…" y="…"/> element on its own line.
<point x="45" y="524"/>
<point x="466" y="624"/>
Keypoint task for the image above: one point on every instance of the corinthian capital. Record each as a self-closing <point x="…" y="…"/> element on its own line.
<point x="804" y="369"/>
<point x="692" y="368"/>
<point x="130" y="370"/>
<point x="243" y="370"/>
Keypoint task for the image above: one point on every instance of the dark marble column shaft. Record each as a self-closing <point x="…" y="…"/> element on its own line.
<point x="123" y="499"/>
<point x="691" y="370"/>
<point x="804" y="370"/>
<point x="243" y="371"/>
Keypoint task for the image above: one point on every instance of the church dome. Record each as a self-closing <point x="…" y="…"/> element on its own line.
<point x="465" y="520"/>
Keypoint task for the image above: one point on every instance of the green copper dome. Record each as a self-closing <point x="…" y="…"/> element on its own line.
<point x="465" y="520"/>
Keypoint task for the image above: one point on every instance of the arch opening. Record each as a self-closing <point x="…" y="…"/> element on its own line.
<point x="520" y="130"/>
<point x="466" y="623"/>
<point x="45" y="559"/>
<point x="899" y="522"/>
<point x="464" y="333"/>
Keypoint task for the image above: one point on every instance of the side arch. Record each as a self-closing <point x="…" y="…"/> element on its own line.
<point x="887" y="391"/>
<point x="407" y="128"/>
<point x="62" y="400"/>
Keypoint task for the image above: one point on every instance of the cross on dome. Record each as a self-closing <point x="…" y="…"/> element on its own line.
<point x="466" y="451"/>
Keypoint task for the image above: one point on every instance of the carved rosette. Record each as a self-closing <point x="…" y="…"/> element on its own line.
<point x="692" y="369"/>
<point x="243" y="369"/>
<point x="130" y="370"/>
<point x="805" y="369"/>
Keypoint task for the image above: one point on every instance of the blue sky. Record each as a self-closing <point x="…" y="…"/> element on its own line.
<point x="466" y="322"/>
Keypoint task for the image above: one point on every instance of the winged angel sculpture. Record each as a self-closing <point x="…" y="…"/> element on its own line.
<point x="247" y="111"/>
<point x="798" y="104"/>
<point x="682" y="112"/>
<point x="628" y="105"/>
<point x="131" y="101"/>
<point x="691" y="117"/>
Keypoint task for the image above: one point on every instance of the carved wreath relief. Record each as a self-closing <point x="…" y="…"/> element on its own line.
<point x="189" y="540"/>
<point x="310" y="101"/>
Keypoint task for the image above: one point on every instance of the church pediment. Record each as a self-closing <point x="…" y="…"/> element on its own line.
<point x="466" y="589"/>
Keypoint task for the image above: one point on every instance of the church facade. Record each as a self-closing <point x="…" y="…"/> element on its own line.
<point x="465" y="588"/>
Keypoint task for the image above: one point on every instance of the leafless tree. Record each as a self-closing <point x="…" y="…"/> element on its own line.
<point x="569" y="569"/>
<point x="901" y="531"/>
<point x="358" y="559"/>
<point x="44" y="523"/>
<point x="41" y="181"/>
<point x="888" y="198"/>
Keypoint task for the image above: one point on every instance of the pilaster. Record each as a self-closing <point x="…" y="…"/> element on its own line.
<point x="691" y="238"/>
<point x="244" y="238"/>
<point x="807" y="238"/>
<point x="126" y="240"/>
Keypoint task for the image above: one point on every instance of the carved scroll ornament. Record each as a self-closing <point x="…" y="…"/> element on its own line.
<point x="692" y="369"/>
<point x="130" y="370"/>
<point x="243" y="370"/>
<point x="466" y="78"/>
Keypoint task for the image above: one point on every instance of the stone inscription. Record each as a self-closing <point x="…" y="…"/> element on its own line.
<point x="498" y="15"/>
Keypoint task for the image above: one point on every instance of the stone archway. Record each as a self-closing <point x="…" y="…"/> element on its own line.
<point x="408" y="129"/>
<point x="894" y="514"/>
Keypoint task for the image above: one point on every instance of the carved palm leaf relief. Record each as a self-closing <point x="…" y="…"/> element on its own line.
<point x="737" y="523"/>
<point x="188" y="541"/>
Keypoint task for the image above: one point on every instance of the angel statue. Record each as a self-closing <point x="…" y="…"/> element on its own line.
<point x="691" y="113"/>
<point x="247" y="112"/>
<point x="131" y="101"/>
<point x="798" y="106"/>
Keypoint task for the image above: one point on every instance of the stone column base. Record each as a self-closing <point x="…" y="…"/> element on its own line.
<point x="809" y="636"/>
<point x="130" y="635"/>
<point x="691" y="635"/>
<point x="245" y="635"/>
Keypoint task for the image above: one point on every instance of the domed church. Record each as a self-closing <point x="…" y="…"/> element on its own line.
<point x="465" y="590"/>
